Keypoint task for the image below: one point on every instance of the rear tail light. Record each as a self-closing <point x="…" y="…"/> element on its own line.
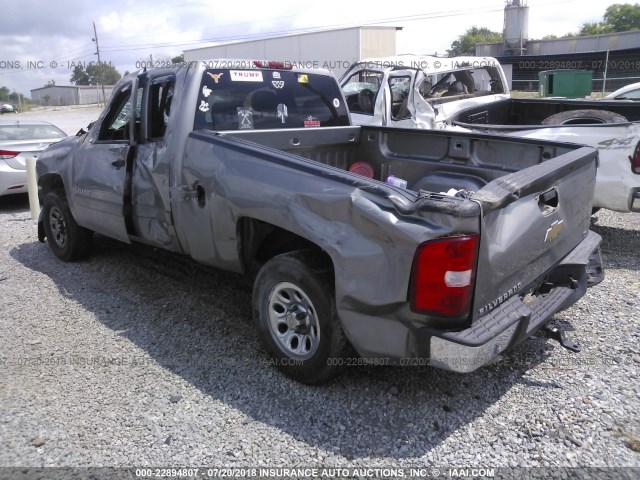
<point x="7" y="154"/>
<point x="443" y="276"/>
<point x="635" y="160"/>
<point x="271" y="64"/>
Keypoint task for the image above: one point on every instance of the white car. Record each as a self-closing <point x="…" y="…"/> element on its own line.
<point x="19" y="140"/>
<point x="630" y="92"/>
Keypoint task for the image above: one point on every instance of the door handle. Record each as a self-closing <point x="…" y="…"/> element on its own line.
<point x="118" y="163"/>
<point x="548" y="201"/>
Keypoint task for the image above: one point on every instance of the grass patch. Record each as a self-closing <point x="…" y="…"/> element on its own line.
<point x="630" y="440"/>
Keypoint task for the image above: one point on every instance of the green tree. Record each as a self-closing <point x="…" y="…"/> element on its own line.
<point x="50" y="83"/>
<point x="592" y="28"/>
<point x="79" y="76"/>
<point x="466" y="43"/>
<point x="622" y="17"/>
<point x="4" y="94"/>
<point x="103" y="73"/>
<point x="178" y="59"/>
<point x="16" y="98"/>
<point x="617" y="18"/>
<point x="95" y="74"/>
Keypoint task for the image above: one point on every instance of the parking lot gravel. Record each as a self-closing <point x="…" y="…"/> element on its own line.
<point x="138" y="357"/>
<point x="68" y="118"/>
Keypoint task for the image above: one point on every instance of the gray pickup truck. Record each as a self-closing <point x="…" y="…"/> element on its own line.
<point x="253" y="167"/>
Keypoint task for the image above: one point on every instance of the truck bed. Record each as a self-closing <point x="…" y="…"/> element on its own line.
<point x="524" y="188"/>
<point x="448" y="160"/>
<point x="515" y="112"/>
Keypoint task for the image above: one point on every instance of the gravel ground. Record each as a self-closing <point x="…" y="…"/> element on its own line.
<point x="70" y="119"/>
<point x="138" y="357"/>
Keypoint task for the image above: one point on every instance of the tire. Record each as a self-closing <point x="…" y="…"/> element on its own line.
<point x="310" y="348"/>
<point x="584" y="117"/>
<point x="68" y="240"/>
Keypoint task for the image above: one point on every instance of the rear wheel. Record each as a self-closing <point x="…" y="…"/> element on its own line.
<point x="584" y="117"/>
<point x="295" y="312"/>
<point x="68" y="240"/>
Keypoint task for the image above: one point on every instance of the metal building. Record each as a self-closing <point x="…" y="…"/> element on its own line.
<point x="335" y="49"/>
<point x="559" y="46"/>
<point x="613" y="58"/>
<point x="71" y="94"/>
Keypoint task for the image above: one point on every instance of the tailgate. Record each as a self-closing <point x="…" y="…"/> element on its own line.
<point x="531" y="220"/>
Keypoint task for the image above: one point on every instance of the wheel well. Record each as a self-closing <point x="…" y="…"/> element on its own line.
<point x="48" y="183"/>
<point x="259" y="241"/>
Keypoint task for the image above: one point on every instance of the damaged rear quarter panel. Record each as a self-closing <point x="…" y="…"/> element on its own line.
<point x="357" y="222"/>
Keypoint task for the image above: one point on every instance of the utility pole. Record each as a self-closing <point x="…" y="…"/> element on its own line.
<point x="19" y="100"/>
<point x="95" y="39"/>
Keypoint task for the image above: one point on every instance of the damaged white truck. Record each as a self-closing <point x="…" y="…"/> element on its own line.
<point x="252" y="167"/>
<point x="471" y="94"/>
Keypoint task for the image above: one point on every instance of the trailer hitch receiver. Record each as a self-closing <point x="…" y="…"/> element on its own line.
<point x="555" y="333"/>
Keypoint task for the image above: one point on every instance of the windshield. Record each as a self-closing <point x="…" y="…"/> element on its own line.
<point x="262" y="99"/>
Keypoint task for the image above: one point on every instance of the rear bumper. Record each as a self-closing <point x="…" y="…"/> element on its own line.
<point x="515" y="320"/>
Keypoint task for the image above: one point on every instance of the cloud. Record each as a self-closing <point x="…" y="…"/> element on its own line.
<point x="130" y="30"/>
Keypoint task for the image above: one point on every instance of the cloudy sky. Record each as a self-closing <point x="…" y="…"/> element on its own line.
<point x="41" y="40"/>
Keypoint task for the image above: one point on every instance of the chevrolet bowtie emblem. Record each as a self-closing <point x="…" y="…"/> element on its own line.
<point x="554" y="230"/>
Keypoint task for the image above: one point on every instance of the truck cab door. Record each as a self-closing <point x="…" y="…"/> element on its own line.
<point x="363" y="92"/>
<point x="399" y="101"/>
<point x="102" y="167"/>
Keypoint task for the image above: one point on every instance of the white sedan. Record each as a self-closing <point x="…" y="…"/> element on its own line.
<point x="19" y="140"/>
<point x="630" y="92"/>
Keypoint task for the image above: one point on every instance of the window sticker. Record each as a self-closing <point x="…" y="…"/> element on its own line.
<point x="276" y="75"/>
<point x="204" y="106"/>
<point x="283" y="113"/>
<point x="245" y="118"/>
<point x="206" y="91"/>
<point x="215" y="76"/>
<point x="336" y="102"/>
<point x="303" y="78"/>
<point x="277" y="83"/>
<point x="246" y="75"/>
<point x="311" y="122"/>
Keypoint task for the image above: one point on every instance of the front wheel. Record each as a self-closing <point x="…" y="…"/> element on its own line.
<point x="295" y="312"/>
<point x="68" y="240"/>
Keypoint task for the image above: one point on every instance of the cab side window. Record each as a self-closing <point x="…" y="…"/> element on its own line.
<point x="160" y="98"/>
<point x="400" y="87"/>
<point x="361" y="91"/>
<point x="115" y="127"/>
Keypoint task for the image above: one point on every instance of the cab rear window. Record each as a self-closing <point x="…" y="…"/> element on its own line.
<point x="264" y="99"/>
